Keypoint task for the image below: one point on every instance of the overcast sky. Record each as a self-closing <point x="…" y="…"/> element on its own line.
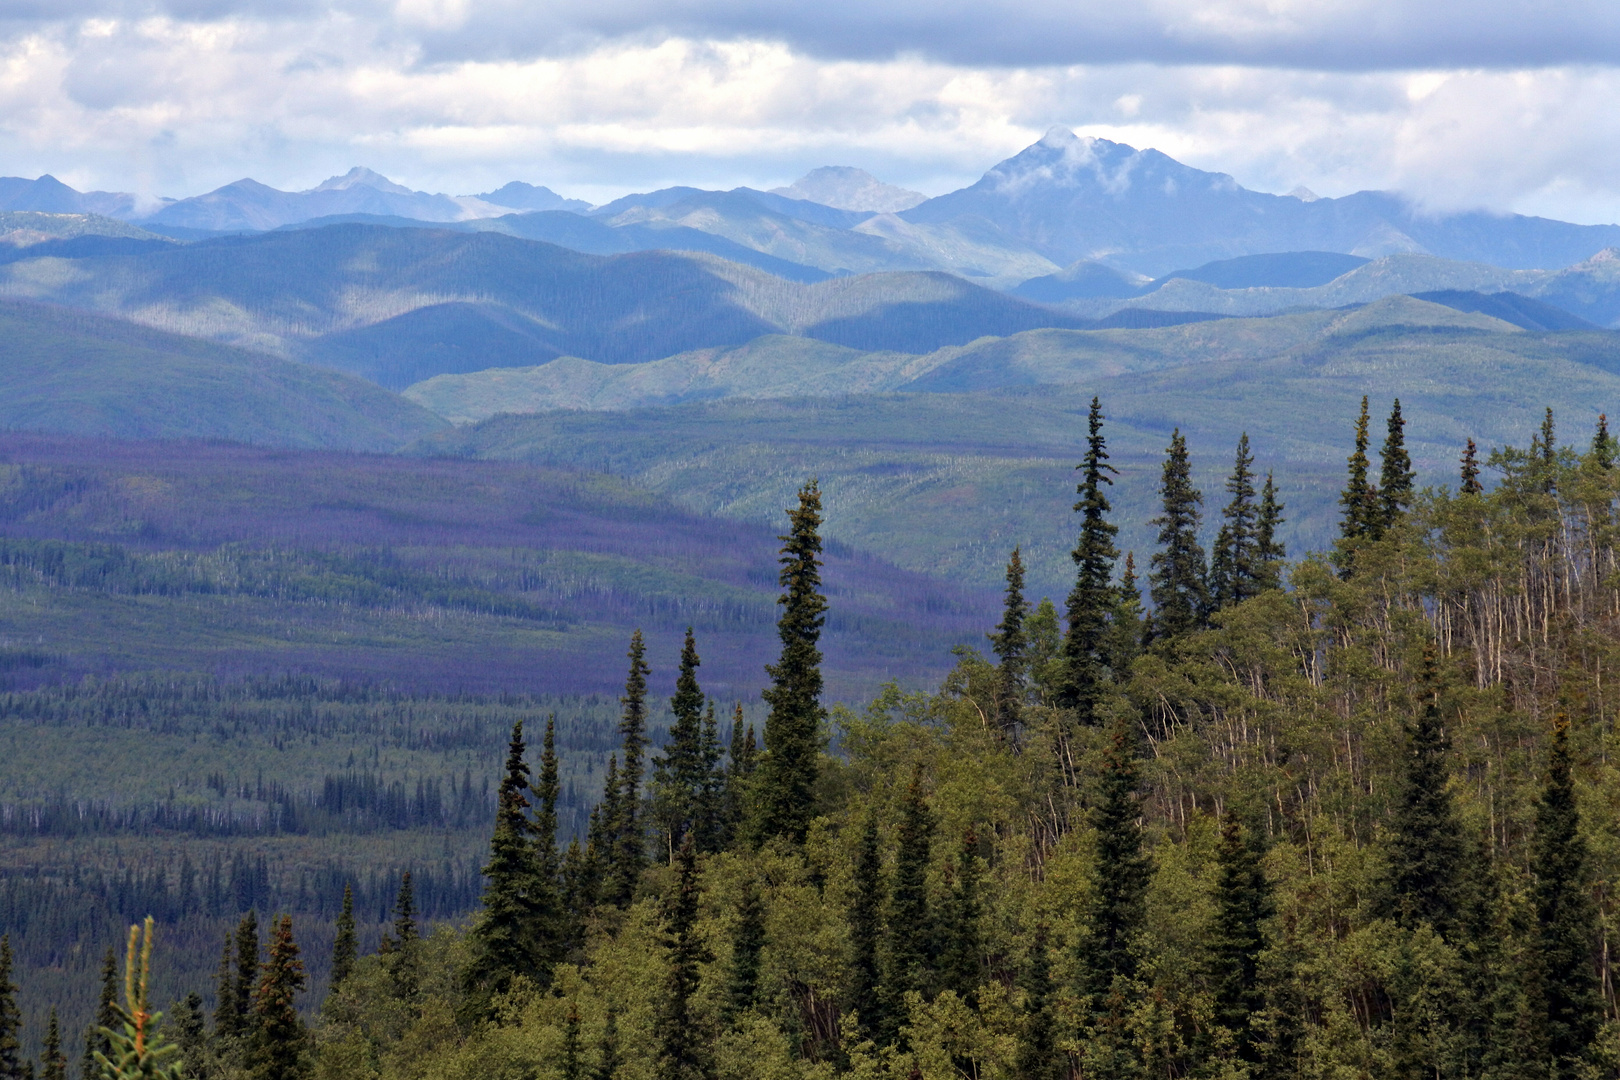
<point x="1504" y="104"/>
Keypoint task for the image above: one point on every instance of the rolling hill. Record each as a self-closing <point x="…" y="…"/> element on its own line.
<point x="401" y="305"/>
<point x="68" y="371"/>
<point x="948" y="482"/>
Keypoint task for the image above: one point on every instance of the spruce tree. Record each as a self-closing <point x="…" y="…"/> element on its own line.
<point x="1396" y="478"/>
<point x="785" y="788"/>
<point x="573" y="1063"/>
<point x="1093" y="595"/>
<point x="600" y="845"/>
<point x="404" y="960"/>
<point x="189" y="1035"/>
<point x="1235" y="573"/>
<point x="1237" y="939"/>
<point x="52" y="1062"/>
<point x="1128" y="624"/>
<point x="1039" y="1057"/>
<point x="107" y="1016"/>
<point x="281" y="1040"/>
<point x="607" y="1050"/>
<point x="1567" y="1005"/>
<point x="345" y="947"/>
<point x="960" y="963"/>
<point x="683" y="1051"/>
<point x="911" y="950"/>
<point x="629" y="845"/>
<point x="866" y="933"/>
<point x="1120" y="875"/>
<point x="1011" y="645"/>
<point x="578" y="889"/>
<point x="11" y="1062"/>
<point x="709" y="830"/>
<point x="741" y="760"/>
<point x="680" y="777"/>
<point x="1359" y="500"/>
<point x="1470" y="470"/>
<point x="1426" y="848"/>
<point x="1178" y="578"/>
<point x="247" y="971"/>
<point x="1604" y="447"/>
<point x="518" y="931"/>
<point x="227" y="1020"/>
<point x="747" y="946"/>
<point x="1268" y="549"/>
<point x="136" y="1046"/>
<point x="547" y="791"/>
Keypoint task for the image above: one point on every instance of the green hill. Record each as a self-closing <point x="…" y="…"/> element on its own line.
<point x="779" y="366"/>
<point x="949" y="482"/>
<point x="71" y="372"/>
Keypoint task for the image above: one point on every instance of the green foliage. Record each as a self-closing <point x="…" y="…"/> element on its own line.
<point x="683" y="775"/>
<point x="1358" y="502"/>
<point x="53" y="1064"/>
<point x="1237" y="940"/>
<point x="683" y="1045"/>
<point x="345" y="948"/>
<point x="908" y="965"/>
<point x="1396" y="475"/>
<point x="1011" y="647"/>
<point x="1236" y="571"/>
<point x="1426" y="845"/>
<point x="11" y="1060"/>
<point x="784" y="790"/>
<point x="625" y="825"/>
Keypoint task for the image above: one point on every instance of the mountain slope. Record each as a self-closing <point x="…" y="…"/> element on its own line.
<point x="80" y="374"/>
<point x="401" y="305"/>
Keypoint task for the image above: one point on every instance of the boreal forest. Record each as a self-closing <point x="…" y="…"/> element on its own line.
<point x="1223" y="811"/>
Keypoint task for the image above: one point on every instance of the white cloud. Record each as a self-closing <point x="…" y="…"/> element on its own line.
<point x="181" y="102"/>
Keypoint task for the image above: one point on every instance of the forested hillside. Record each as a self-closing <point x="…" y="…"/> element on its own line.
<point x="1225" y="810"/>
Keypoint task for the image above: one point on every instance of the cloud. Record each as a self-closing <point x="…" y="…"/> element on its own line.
<point x="596" y="99"/>
<point x="1326" y="35"/>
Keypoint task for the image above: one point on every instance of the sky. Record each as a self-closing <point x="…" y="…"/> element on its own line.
<point x="1499" y="104"/>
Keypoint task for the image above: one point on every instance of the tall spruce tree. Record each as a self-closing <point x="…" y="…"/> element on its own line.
<point x="910" y="959"/>
<point x="1011" y="647"/>
<point x="247" y="972"/>
<point x="107" y="1011"/>
<point x="607" y="1048"/>
<point x="680" y="774"/>
<point x="1237" y="939"/>
<point x="1358" y="502"/>
<point x="599" y="842"/>
<point x="747" y="948"/>
<point x="1235" y="572"/>
<point x="518" y="930"/>
<point x="11" y="1060"/>
<point x="345" y="947"/>
<point x="1396" y="476"/>
<point x="281" y="1042"/>
<point x="573" y="1061"/>
<point x="1179" y="577"/>
<point x="1470" y="470"/>
<point x="1120" y="875"/>
<point x="547" y="792"/>
<point x="866" y="932"/>
<point x="683" y="1045"/>
<point x="1093" y="596"/>
<point x="1567" y="1004"/>
<point x="404" y="960"/>
<point x="784" y="791"/>
<point x="629" y="841"/>
<point x="1269" y="551"/>
<point x="1426" y="845"/>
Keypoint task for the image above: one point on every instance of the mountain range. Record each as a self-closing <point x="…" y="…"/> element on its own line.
<point x="1053" y="209"/>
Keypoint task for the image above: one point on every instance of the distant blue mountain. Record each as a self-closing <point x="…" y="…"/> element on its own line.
<point x="1073" y="198"/>
<point x="521" y="196"/>
<point x="1279" y="270"/>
